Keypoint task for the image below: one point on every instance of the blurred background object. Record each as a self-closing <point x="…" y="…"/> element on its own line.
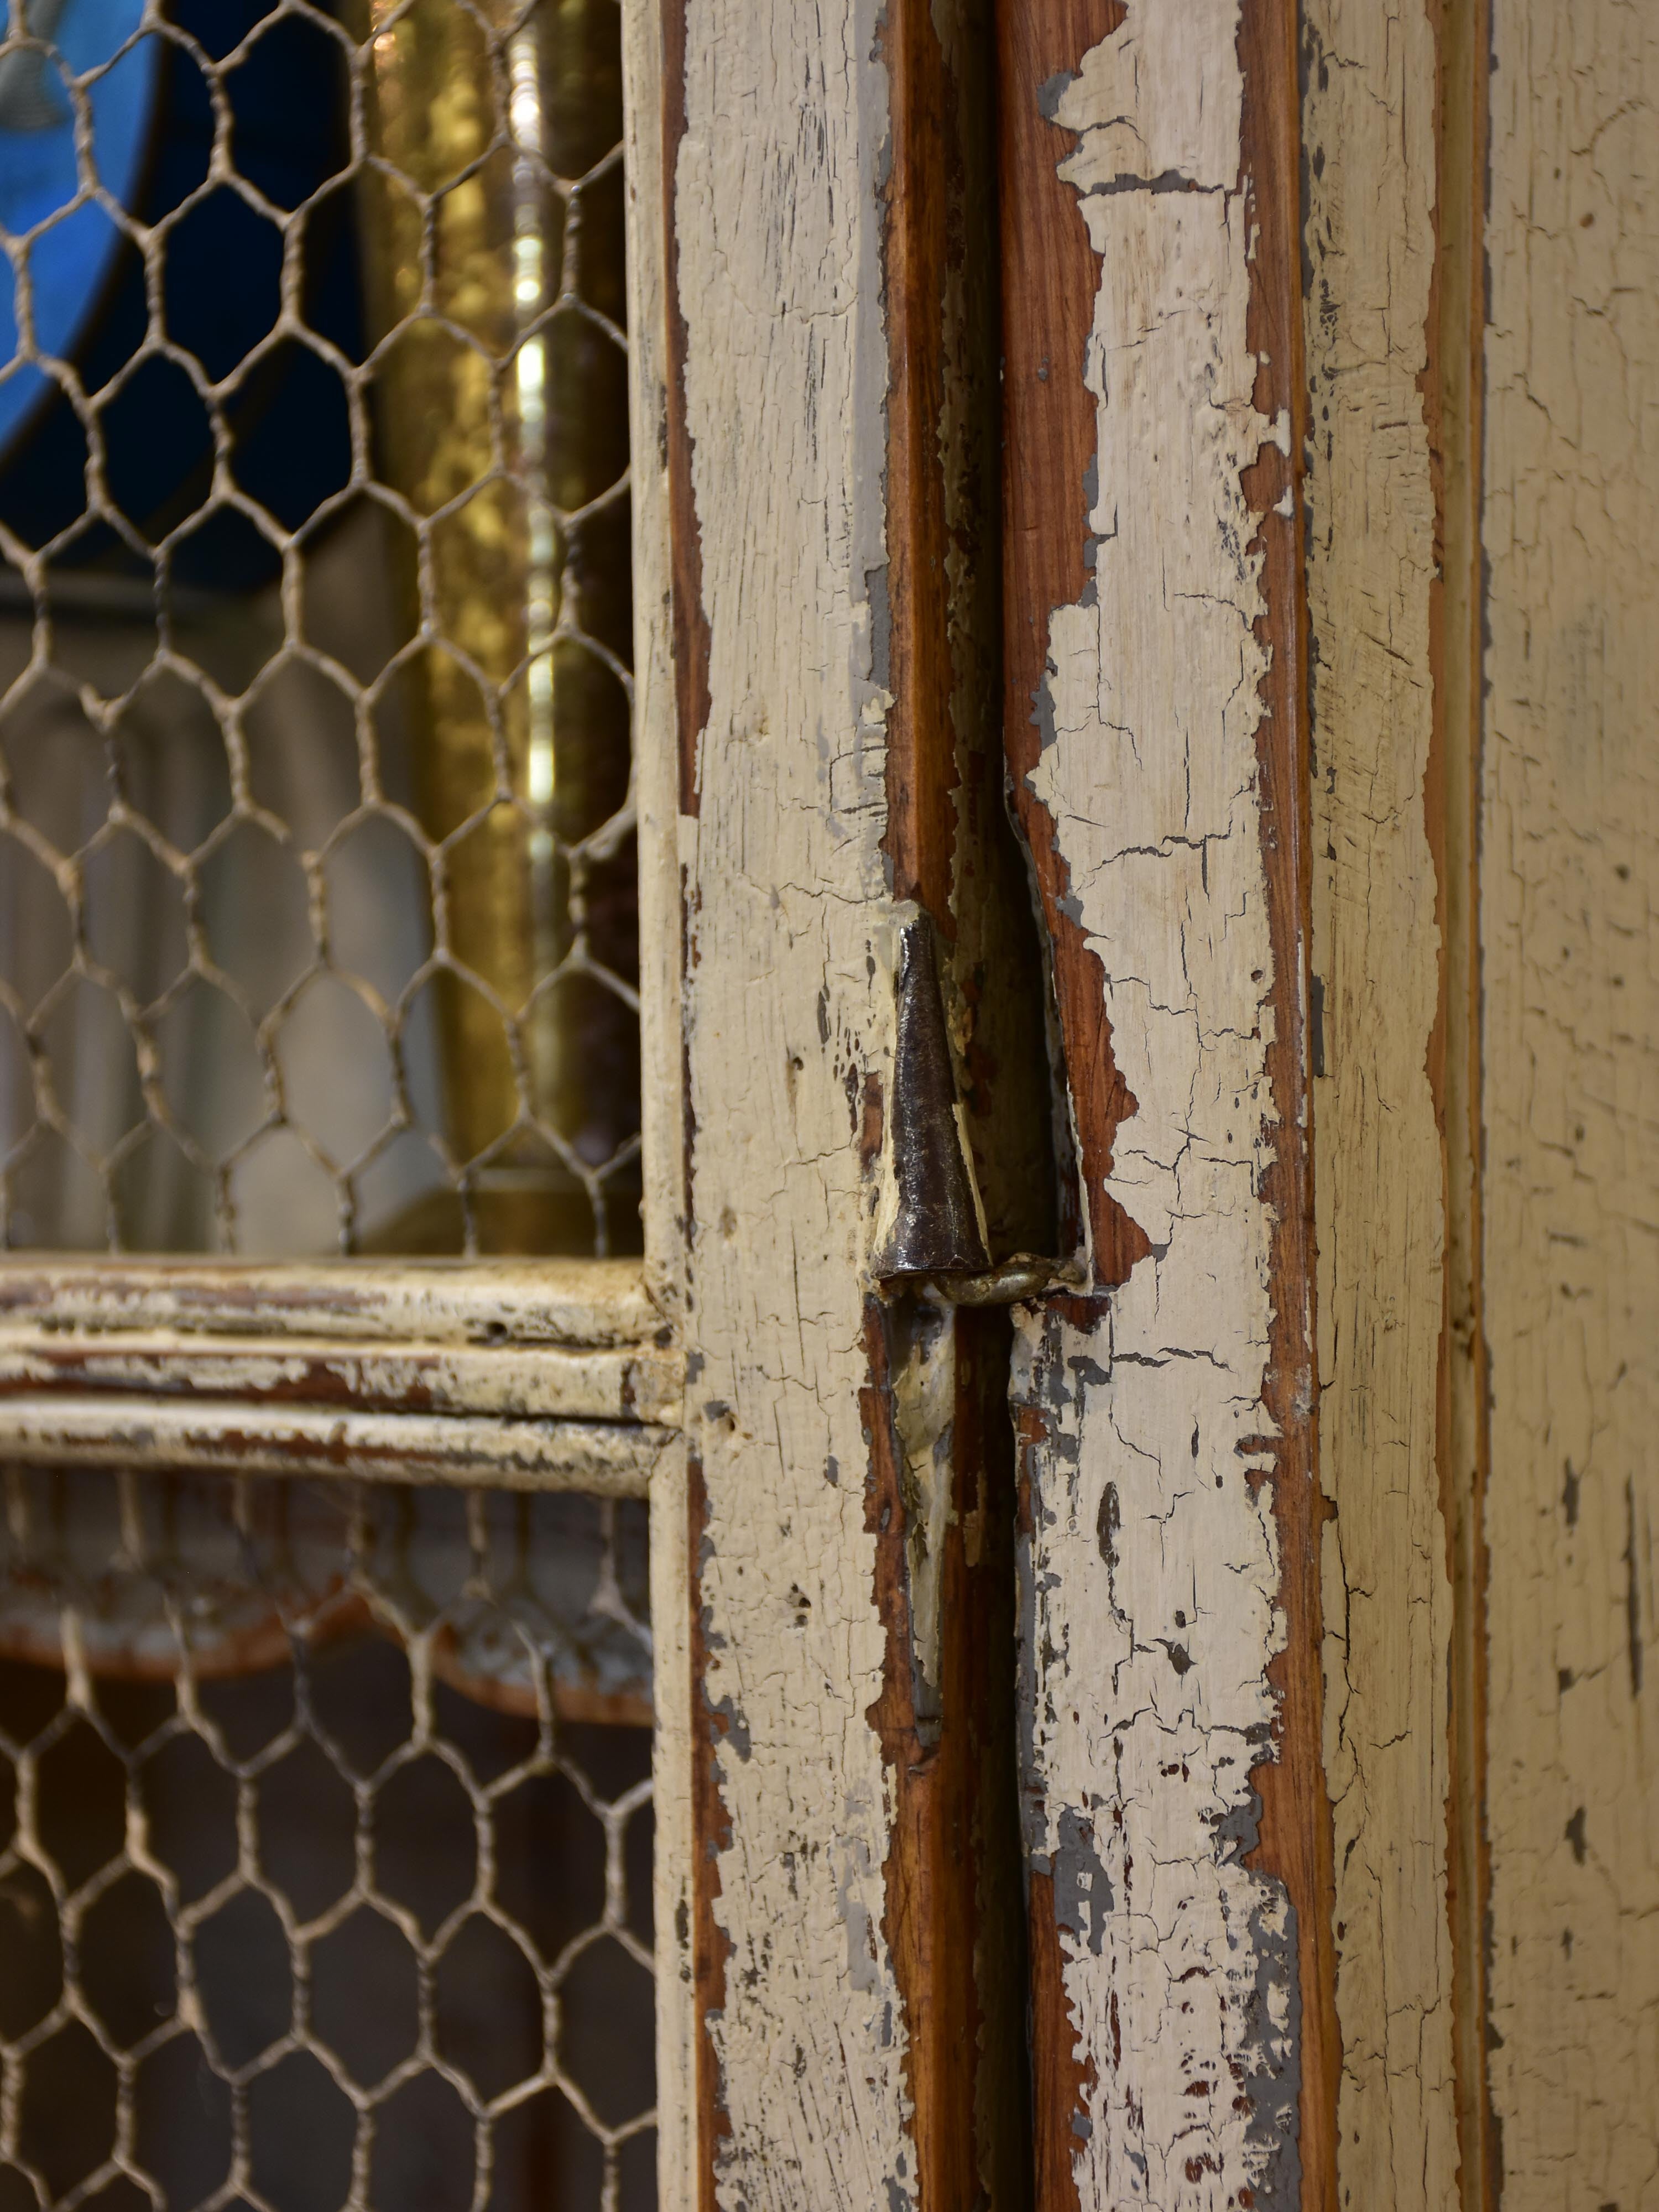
<point x="326" y="1862"/>
<point x="317" y="879"/>
<point x="328" y="1850"/>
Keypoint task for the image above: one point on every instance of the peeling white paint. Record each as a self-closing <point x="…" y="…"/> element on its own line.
<point x="502" y="1301"/>
<point x="1152" y="1571"/>
<point x="638" y="1385"/>
<point x="1158" y="101"/>
<point x="789" y="1008"/>
<point x="656" y="779"/>
<point x="608" y="1459"/>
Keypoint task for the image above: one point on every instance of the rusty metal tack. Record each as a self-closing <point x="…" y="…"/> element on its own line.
<point x="938" y="1228"/>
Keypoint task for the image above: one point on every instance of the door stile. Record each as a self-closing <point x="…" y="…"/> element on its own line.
<point x="1177" y="1828"/>
<point x="1569" y="1046"/>
<point x="854" y="1934"/>
<point x="778" y="377"/>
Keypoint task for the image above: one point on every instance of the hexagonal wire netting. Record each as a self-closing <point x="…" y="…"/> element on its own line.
<point x="325" y="1875"/>
<point x="317" y="879"/>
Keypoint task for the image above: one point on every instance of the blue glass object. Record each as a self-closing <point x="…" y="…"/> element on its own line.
<point x="152" y="126"/>
<point x="70" y="264"/>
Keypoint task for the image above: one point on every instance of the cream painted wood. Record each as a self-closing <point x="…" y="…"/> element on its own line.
<point x="607" y="1459"/>
<point x="1570" y="861"/>
<point x="791" y="951"/>
<point x="569" y="1302"/>
<point x="635" y="1383"/>
<point x="1152" y="1570"/>
<point x="1368" y="127"/>
<point x="661" y="1096"/>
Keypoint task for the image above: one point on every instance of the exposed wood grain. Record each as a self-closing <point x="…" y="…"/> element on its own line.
<point x="939" y="1503"/>
<point x="921" y="766"/>
<point x="1296" y="1839"/>
<point x="1570" y="861"/>
<point x="1379" y="813"/>
<point x="688" y="609"/>
<point x="949" y="842"/>
<point x="952" y="1917"/>
<point x="1048" y="283"/>
<point x="1172" y="1626"/>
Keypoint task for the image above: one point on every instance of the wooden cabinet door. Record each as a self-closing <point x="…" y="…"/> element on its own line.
<point x="1303" y="453"/>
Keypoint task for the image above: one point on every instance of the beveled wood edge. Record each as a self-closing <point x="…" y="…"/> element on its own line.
<point x="628" y="1383"/>
<point x="601" y="1459"/>
<point x="499" y="1305"/>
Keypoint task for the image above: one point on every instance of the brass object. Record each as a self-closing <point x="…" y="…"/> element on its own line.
<point x="491" y="274"/>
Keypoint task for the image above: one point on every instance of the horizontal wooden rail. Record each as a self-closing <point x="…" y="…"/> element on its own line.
<point x="591" y="1303"/>
<point x="578" y="1383"/>
<point x="557" y="1375"/>
<point x="604" y="1459"/>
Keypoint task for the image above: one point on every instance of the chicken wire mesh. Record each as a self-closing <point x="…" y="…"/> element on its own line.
<point x="317" y="878"/>
<point x="326" y="1872"/>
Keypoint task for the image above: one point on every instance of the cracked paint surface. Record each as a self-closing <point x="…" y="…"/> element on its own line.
<point x="1150" y="1569"/>
<point x="1369" y="135"/>
<point x="1570" y="863"/>
<point x="791" y="950"/>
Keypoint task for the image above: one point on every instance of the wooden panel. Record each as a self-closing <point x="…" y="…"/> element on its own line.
<point x="1176" y="1824"/>
<point x="1570" y="831"/>
<point x="1378" y="816"/>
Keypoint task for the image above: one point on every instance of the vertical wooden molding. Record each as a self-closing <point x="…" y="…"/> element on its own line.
<point x="921" y="766"/>
<point x="1184" y="2044"/>
<point x="1049" y="274"/>
<point x="936" y="1408"/>
<point x="1455" y="392"/>
<point x="1569" y="1048"/>
<point x="1380" y="842"/>
<point x="688" y="608"/>
<point x="854" y="1929"/>
<point x="952" y="1873"/>
<point x="776" y="235"/>
<point x="1296" y="1843"/>
<point x="656" y="783"/>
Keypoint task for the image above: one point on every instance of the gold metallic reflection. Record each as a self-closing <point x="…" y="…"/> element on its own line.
<point x="471" y="229"/>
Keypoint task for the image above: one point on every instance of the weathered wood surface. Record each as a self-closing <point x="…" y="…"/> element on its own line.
<point x="606" y="1459"/>
<point x="1369" y="124"/>
<point x="856" y="1928"/>
<point x="775" y="148"/>
<point x="564" y="1383"/>
<point x="941" y="1450"/>
<point x="572" y="1302"/>
<point x="657" y="784"/>
<point x="1180" y="1908"/>
<point x="1570" y="860"/>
